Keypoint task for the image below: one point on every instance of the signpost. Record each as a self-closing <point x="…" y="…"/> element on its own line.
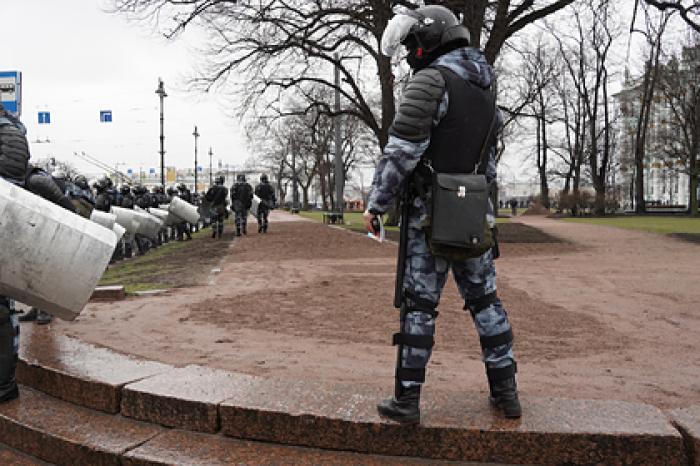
<point x="106" y="116"/>
<point x="11" y="91"/>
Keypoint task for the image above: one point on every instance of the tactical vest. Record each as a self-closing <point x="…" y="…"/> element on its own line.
<point x="456" y="142"/>
<point x="14" y="152"/>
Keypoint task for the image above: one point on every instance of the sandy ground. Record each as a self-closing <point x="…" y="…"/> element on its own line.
<point x="608" y="314"/>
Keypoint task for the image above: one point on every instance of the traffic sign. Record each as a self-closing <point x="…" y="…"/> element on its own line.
<point x="11" y="91"/>
<point x="106" y="116"/>
<point x="44" y="118"/>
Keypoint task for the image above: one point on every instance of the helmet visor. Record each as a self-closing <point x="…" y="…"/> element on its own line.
<point x="395" y="33"/>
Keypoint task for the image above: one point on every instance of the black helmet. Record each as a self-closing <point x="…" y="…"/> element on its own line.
<point x="81" y="182"/>
<point x="263" y="178"/>
<point x="125" y="189"/>
<point x="240" y="177"/>
<point x="102" y="183"/>
<point x="172" y="190"/>
<point x="219" y="180"/>
<point x="182" y="187"/>
<point x="427" y="33"/>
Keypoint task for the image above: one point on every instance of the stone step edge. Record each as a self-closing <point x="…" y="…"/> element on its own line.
<point x="150" y="449"/>
<point x="282" y="417"/>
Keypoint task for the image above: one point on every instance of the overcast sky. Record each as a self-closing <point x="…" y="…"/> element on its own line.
<point x="76" y="60"/>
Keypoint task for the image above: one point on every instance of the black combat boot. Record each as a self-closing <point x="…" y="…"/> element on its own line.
<point x="29" y="316"/>
<point x="404" y="408"/>
<point x="504" y="391"/>
<point x="213" y="232"/>
<point x="8" y="357"/>
<point x="43" y="318"/>
<point x="260" y="228"/>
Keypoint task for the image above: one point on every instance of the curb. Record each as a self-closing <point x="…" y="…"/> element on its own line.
<point x="343" y="417"/>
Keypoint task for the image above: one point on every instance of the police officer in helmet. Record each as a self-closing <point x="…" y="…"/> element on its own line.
<point x="216" y="196"/>
<point x="266" y="194"/>
<point x="429" y="128"/>
<point x="241" y="201"/>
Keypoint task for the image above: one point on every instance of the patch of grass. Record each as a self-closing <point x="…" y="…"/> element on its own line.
<point x="354" y="222"/>
<point x="136" y="287"/>
<point x="508" y="211"/>
<point x="645" y="223"/>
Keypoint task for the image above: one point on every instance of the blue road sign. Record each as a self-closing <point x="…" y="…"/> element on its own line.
<point x="199" y="168"/>
<point x="11" y="91"/>
<point x="129" y="171"/>
<point x="151" y="170"/>
<point x="44" y="118"/>
<point x="106" y="116"/>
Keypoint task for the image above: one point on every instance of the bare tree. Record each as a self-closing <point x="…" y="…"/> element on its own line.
<point x="679" y="83"/>
<point x="655" y="26"/>
<point x="689" y="10"/>
<point x="269" y="48"/>
<point x="539" y="72"/>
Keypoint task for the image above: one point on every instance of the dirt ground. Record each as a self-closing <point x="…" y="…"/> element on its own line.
<point x="606" y="313"/>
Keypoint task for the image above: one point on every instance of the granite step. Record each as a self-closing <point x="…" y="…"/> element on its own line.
<point x="343" y="417"/>
<point x="62" y="433"/>
<point x="11" y="457"/>
<point x="190" y="448"/>
<point x="79" y="372"/>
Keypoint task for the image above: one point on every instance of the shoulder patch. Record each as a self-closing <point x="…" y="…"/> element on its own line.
<point x="414" y="118"/>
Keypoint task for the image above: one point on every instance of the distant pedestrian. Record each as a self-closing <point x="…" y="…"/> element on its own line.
<point x="266" y="194"/>
<point x="241" y="201"/>
<point x="216" y="197"/>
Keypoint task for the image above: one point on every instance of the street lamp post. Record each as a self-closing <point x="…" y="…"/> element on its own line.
<point x="339" y="168"/>
<point x="339" y="175"/>
<point x="162" y="94"/>
<point x="196" y="135"/>
<point x="211" y="153"/>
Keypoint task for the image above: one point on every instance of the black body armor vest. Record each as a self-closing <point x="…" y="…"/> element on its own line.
<point x="457" y="141"/>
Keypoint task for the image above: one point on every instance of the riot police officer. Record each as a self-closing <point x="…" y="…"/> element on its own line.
<point x="216" y="197"/>
<point x="267" y="202"/>
<point x="430" y="130"/>
<point x="14" y="157"/>
<point x="103" y="199"/>
<point x="81" y="196"/>
<point x="127" y="201"/>
<point x="241" y="201"/>
<point x="184" y="228"/>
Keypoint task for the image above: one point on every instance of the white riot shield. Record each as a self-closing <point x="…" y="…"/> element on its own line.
<point x="256" y="204"/>
<point x="118" y="230"/>
<point x="168" y="218"/>
<point x="105" y="219"/>
<point x="184" y="210"/>
<point x="127" y="218"/>
<point x="50" y="258"/>
<point x="149" y="226"/>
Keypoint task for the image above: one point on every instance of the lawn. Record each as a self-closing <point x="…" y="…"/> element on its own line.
<point x="645" y="223"/>
<point x="175" y="264"/>
<point x="353" y="220"/>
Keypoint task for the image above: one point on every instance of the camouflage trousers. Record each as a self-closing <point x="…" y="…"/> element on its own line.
<point x="425" y="277"/>
<point x="241" y="220"/>
<point x="263" y="213"/>
<point x="9" y="345"/>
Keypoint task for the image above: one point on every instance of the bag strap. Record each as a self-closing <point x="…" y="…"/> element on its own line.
<point x="483" y="161"/>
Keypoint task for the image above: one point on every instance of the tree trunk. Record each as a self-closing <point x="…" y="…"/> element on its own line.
<point x="305" y="196"/>
<point x="693" y="194"/>
<point x="544" y="185"/>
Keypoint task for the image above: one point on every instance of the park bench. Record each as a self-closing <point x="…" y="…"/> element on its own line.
<point x="333" y="217"/>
